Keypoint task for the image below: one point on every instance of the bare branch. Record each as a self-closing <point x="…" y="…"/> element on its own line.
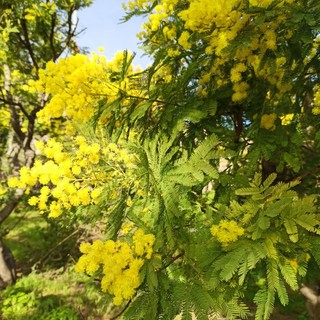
<point x="46" y="256"/>
<point x="307" y="173"/>
<point x="309" y="294"/>
<point x="14" y="116"/>
<point x="122" y="311"/>
<point x="71" y="33"/>
<point x="23" y="110"/>
<point x="53" y="25"/>
<point x="10" y="206"/>
<point x="26" y="42"/>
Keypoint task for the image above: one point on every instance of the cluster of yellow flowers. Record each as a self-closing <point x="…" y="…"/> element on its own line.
<point x="5" y="31"/>
<point x="287" y="119"/>
<point x="227" y="231"/>
<point x="227" y="19"/>
<point x="35" y="11"/>
<point x="120" y="262"/>
<point x="215" y="24"/>
<point x="316" y="101"/>
<point x="77" y="83"/>
<point x="4" y="118"/>
<point x="134" y="4"/>
<point x="268" y="120"/>
<point x="74" y="178"/>
<point x="314" y="50"/>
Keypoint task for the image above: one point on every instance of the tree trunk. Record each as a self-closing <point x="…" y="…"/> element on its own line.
<point x="313" y="302"/>
<point x="7" y="266"/>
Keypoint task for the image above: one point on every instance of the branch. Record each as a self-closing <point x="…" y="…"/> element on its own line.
<point x="9" y="207"/>
<point x="26" y="42"/>
<point x="14" y="116"/>
<point x="71" y="30"/>
<point x="14" y="120"/>
<point x="30" y="130"/>
<point x="310" y="295"/>
<point x="307" y="173"/>
<point x="6" y="211"/>
<point x="122" y="311"/>
<point x="173" y="259"/>
<point x="55" y="247"/>
<point x="51" y="37"/>
<point x="9" y="229"/>
<point x="23" y="110"/>
<point x="130" y="96"/>
<point x="237" y="119"/>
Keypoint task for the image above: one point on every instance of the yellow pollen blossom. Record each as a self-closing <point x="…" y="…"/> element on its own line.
<point x="227" y="231"/>
<point x="268" y="121"/>
<point x="120" y="263"/>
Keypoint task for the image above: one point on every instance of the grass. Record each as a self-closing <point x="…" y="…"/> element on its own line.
<point x="47" y="286"/>
<point x="59" y="294"/>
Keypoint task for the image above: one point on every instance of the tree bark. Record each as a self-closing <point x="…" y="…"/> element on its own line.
<point x="7" y="266"/>
<point x="313" y="302"/>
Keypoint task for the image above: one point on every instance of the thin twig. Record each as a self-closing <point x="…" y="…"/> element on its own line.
<point x="26" y="42"/>
<point x="122" y="311"/>
<point x="307" y="173"/>
<point x="180" y="255"/>
<point x="52" y="27"/>
<point x="14" y="225"/>
<point x="56" y="246"/>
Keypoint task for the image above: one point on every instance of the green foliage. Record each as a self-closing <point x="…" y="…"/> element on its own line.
<point x="18" y="304"/>
<point x="62" y="313"/>
<point x="53" y="294"/>
<point x="165" y="170"/>
<point x="222" y="127"/>
<point x="275" y="218"/>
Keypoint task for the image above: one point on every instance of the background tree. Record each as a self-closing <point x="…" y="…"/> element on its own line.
<point x="203" y="168"/>
<point x="31" y="34"/>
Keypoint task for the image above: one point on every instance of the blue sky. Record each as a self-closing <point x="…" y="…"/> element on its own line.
<point x="102" y="20"/>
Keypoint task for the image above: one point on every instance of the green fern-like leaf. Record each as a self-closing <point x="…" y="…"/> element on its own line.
<point x="151" y="278"/>
<point x="315" y="243"/>
<point x="182" y="299"/>
<point x="289" y="275"/>
<point x="116" y="217"/>
<point x="205" y="148"/>
<point x="230" y="263"/>
<point x="268" y="181"/>
<point x="202" y="301"/>
<point x="264" y="222"/>
<point x="282" y="293"/>
<point x="292" y="230"/>
<point x="257" y="179"/>
<point x="170" y="200"/>
<point x="235" y="309"/>
<point x="271" y="250"/>
<point x="137" y="308"/>
<point x="264" y="299"/>
<point x="308" y="222"/>
<point x="254" y="254"/>
<point x="247" y="191"/>
<point x="272" y="274"/>
<point x="193" y="299"/>
<point x="276" y="208"/>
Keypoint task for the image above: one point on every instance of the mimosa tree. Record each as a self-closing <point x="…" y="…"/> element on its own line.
<point x="204" y="167"/>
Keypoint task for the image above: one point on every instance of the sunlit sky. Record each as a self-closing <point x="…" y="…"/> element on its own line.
<point x="102" y="21"/>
